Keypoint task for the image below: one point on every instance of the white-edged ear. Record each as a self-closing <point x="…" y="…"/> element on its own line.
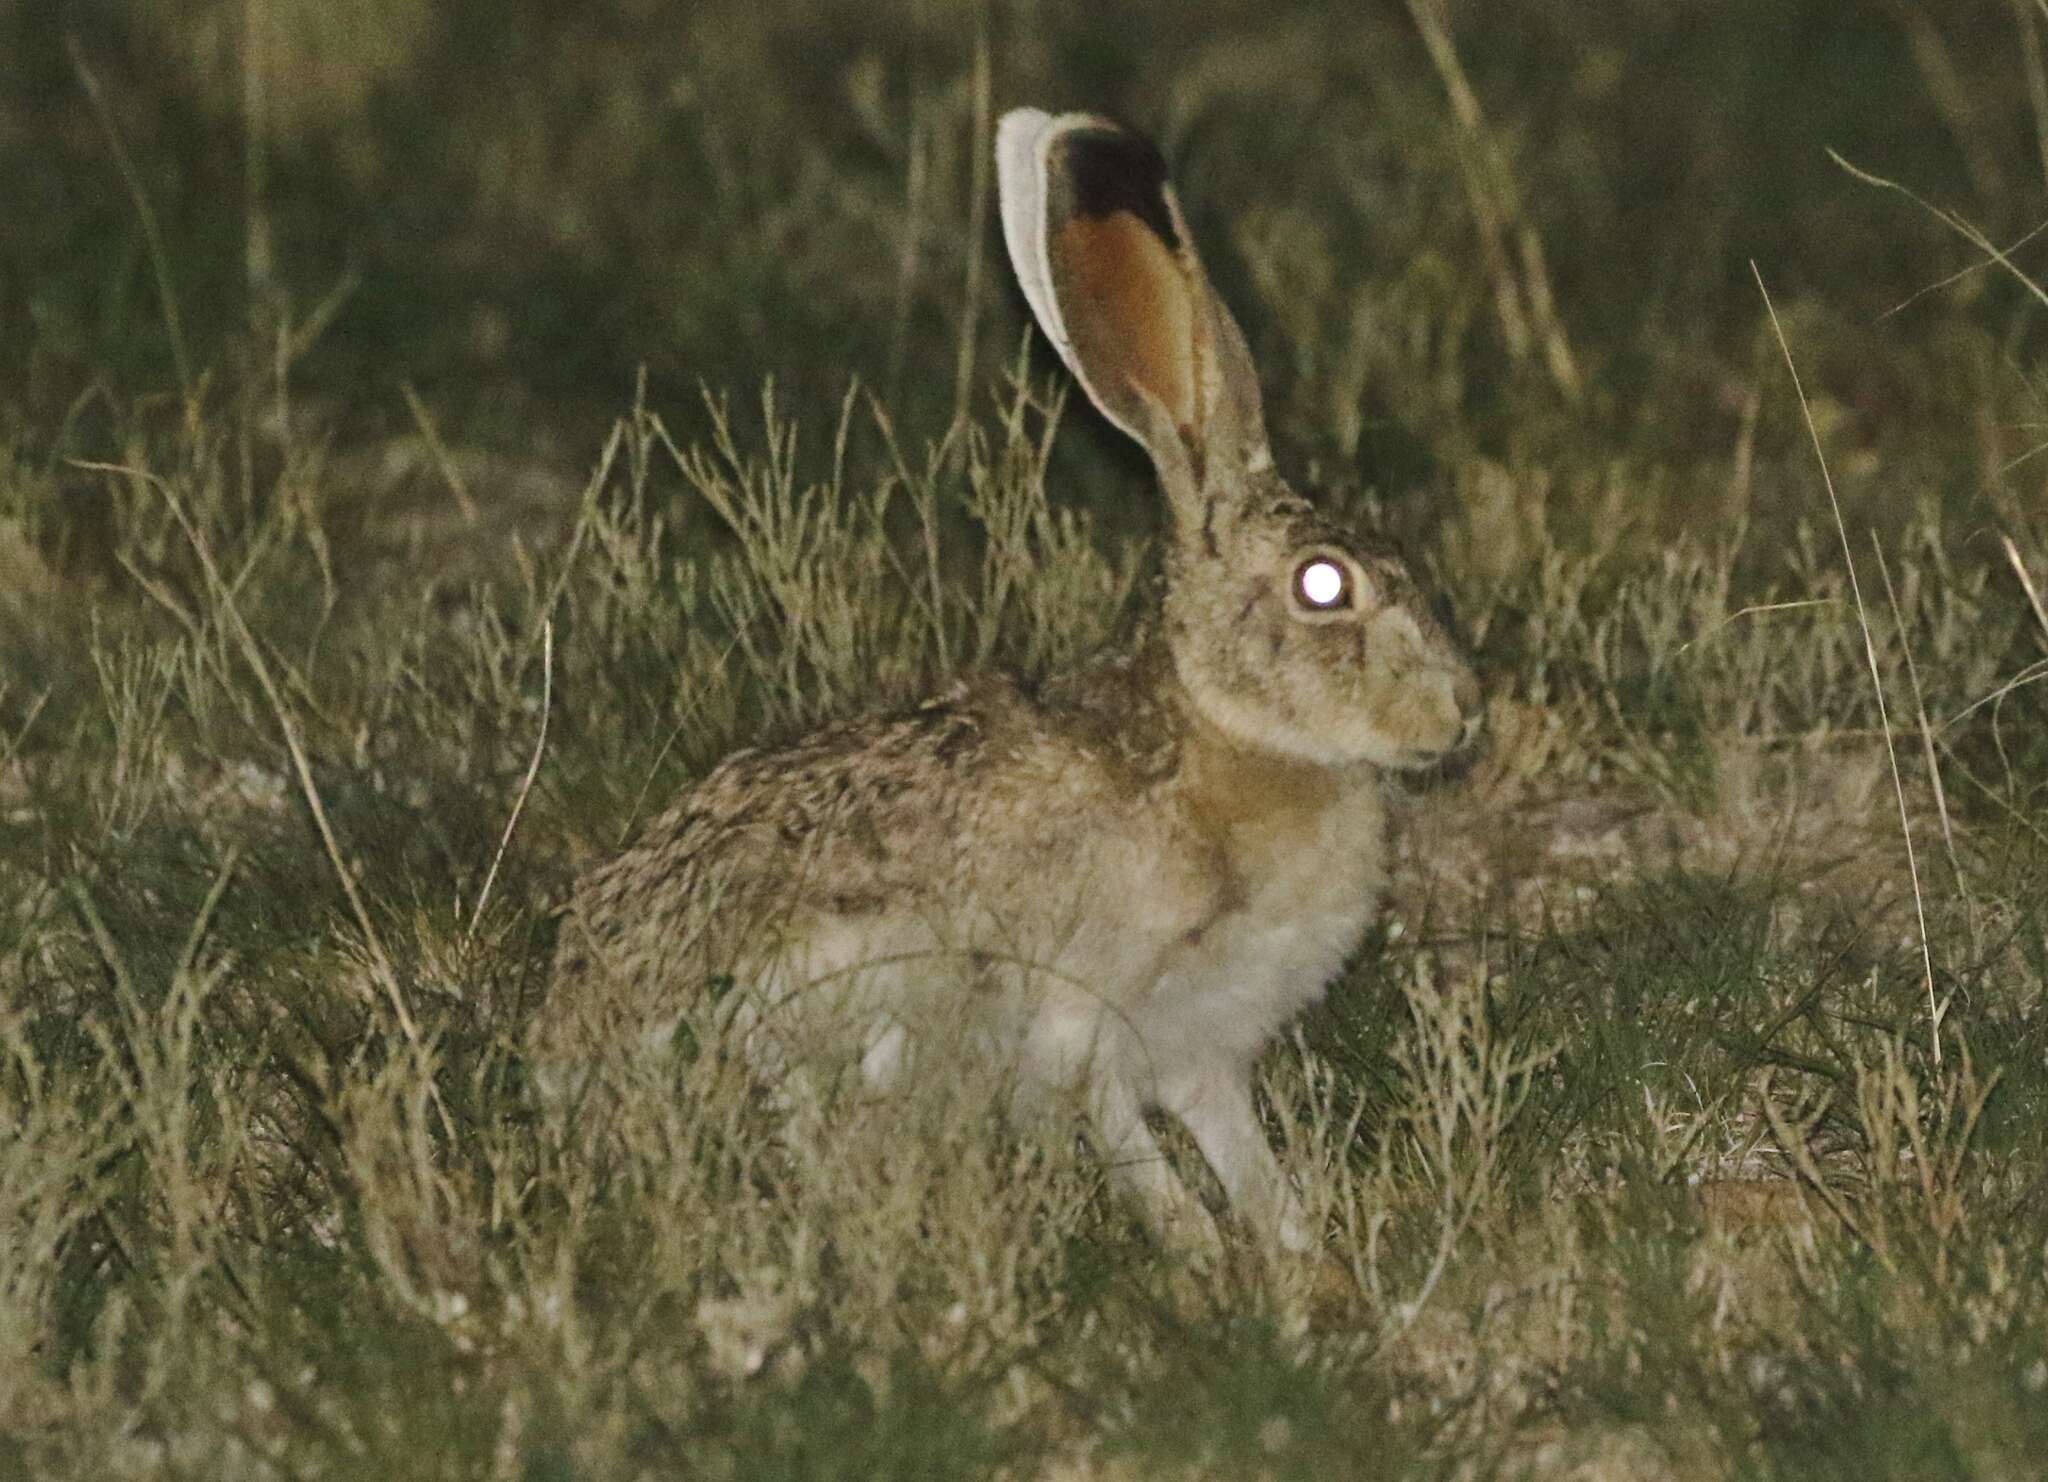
<point x="1103" y="254"/>
<point x="1021" y="138"/>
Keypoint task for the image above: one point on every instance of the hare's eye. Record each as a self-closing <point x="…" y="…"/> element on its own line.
<point x="1322" y="584"/>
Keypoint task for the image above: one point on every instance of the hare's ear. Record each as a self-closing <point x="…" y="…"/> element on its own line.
<point x="1105" y="260"/>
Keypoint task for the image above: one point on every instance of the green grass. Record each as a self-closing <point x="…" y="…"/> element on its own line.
<point x="1639" y="1150"/>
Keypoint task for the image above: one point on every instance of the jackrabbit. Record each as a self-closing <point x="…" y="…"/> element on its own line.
<point x="1122" y="883"/>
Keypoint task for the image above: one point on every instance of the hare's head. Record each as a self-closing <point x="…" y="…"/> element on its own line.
<point x="1288" y="633"/>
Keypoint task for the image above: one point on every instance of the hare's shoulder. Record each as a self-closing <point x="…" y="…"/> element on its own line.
<point x="1119" y="709"/>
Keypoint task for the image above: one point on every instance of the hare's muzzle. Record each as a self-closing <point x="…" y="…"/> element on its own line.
<point x="1454" y="760"/>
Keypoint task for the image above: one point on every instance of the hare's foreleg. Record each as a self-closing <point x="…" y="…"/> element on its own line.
<point x="1139" y="1168"/>
<point x="1217" y="1110"/>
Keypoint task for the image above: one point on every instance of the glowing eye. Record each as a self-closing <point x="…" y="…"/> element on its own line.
<point x="1322" y="584"/>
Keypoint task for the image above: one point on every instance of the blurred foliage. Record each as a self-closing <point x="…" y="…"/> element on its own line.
<point x="526" y="201"/>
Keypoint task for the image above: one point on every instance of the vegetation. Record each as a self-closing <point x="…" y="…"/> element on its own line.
<point x="431" y="441"/>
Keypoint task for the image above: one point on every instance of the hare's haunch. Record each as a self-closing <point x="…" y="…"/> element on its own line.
<point x="1124" y="882"/>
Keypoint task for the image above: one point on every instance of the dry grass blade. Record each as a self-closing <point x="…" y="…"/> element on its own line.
<point x="2012" y="554"/>
<point x="1794" y="1133"/>
<point x="1754" y="609"/>
<point x="1522" y="293"/>
<point x="983" y="146"/>
<point x="1948" y="835"/>
<point x="1956" y="277"/>
<point x="547" y="692"/>
<point x="1934" y="1010"/>
<point x="1993" y="253"/>
<point x="10" y="746"/>
<point x="2037" y="72"/>
<point x="252" y="653"/>
<point x="1951" y="94"/>
<point x="152" y="231"/>
<point x="438" y="451"/>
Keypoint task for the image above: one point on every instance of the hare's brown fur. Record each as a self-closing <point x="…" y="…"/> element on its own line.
<point x="1122" y="883"/>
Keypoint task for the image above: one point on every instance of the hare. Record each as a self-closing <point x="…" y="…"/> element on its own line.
<point x="1124" y="882"/>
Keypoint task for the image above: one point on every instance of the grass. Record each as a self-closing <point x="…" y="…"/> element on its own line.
<point x="333" y="646"/>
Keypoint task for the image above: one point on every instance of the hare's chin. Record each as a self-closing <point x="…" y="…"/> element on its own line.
<point x="1416" y="759"/>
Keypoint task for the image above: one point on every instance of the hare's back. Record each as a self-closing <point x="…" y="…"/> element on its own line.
<point x="984" y="811"/>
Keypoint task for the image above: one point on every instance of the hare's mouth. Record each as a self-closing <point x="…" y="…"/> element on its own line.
<point x="1423" y="759"/>
<point x="1448" y="764"/>
<point x="1451" y="766"/>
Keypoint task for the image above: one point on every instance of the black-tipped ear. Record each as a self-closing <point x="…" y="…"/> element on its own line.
<point x="1110" y="170"/>
<point x="1104" y="257"/>
<point x="1124" y="277"/>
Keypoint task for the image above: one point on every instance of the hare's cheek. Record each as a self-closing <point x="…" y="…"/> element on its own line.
<point x="1396" y="627"/>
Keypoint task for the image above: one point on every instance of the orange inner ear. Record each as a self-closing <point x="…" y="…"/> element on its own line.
<point x="1135" y="319"/>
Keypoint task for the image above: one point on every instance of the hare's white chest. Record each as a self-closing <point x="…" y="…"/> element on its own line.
<point x="1309" y="890"/>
